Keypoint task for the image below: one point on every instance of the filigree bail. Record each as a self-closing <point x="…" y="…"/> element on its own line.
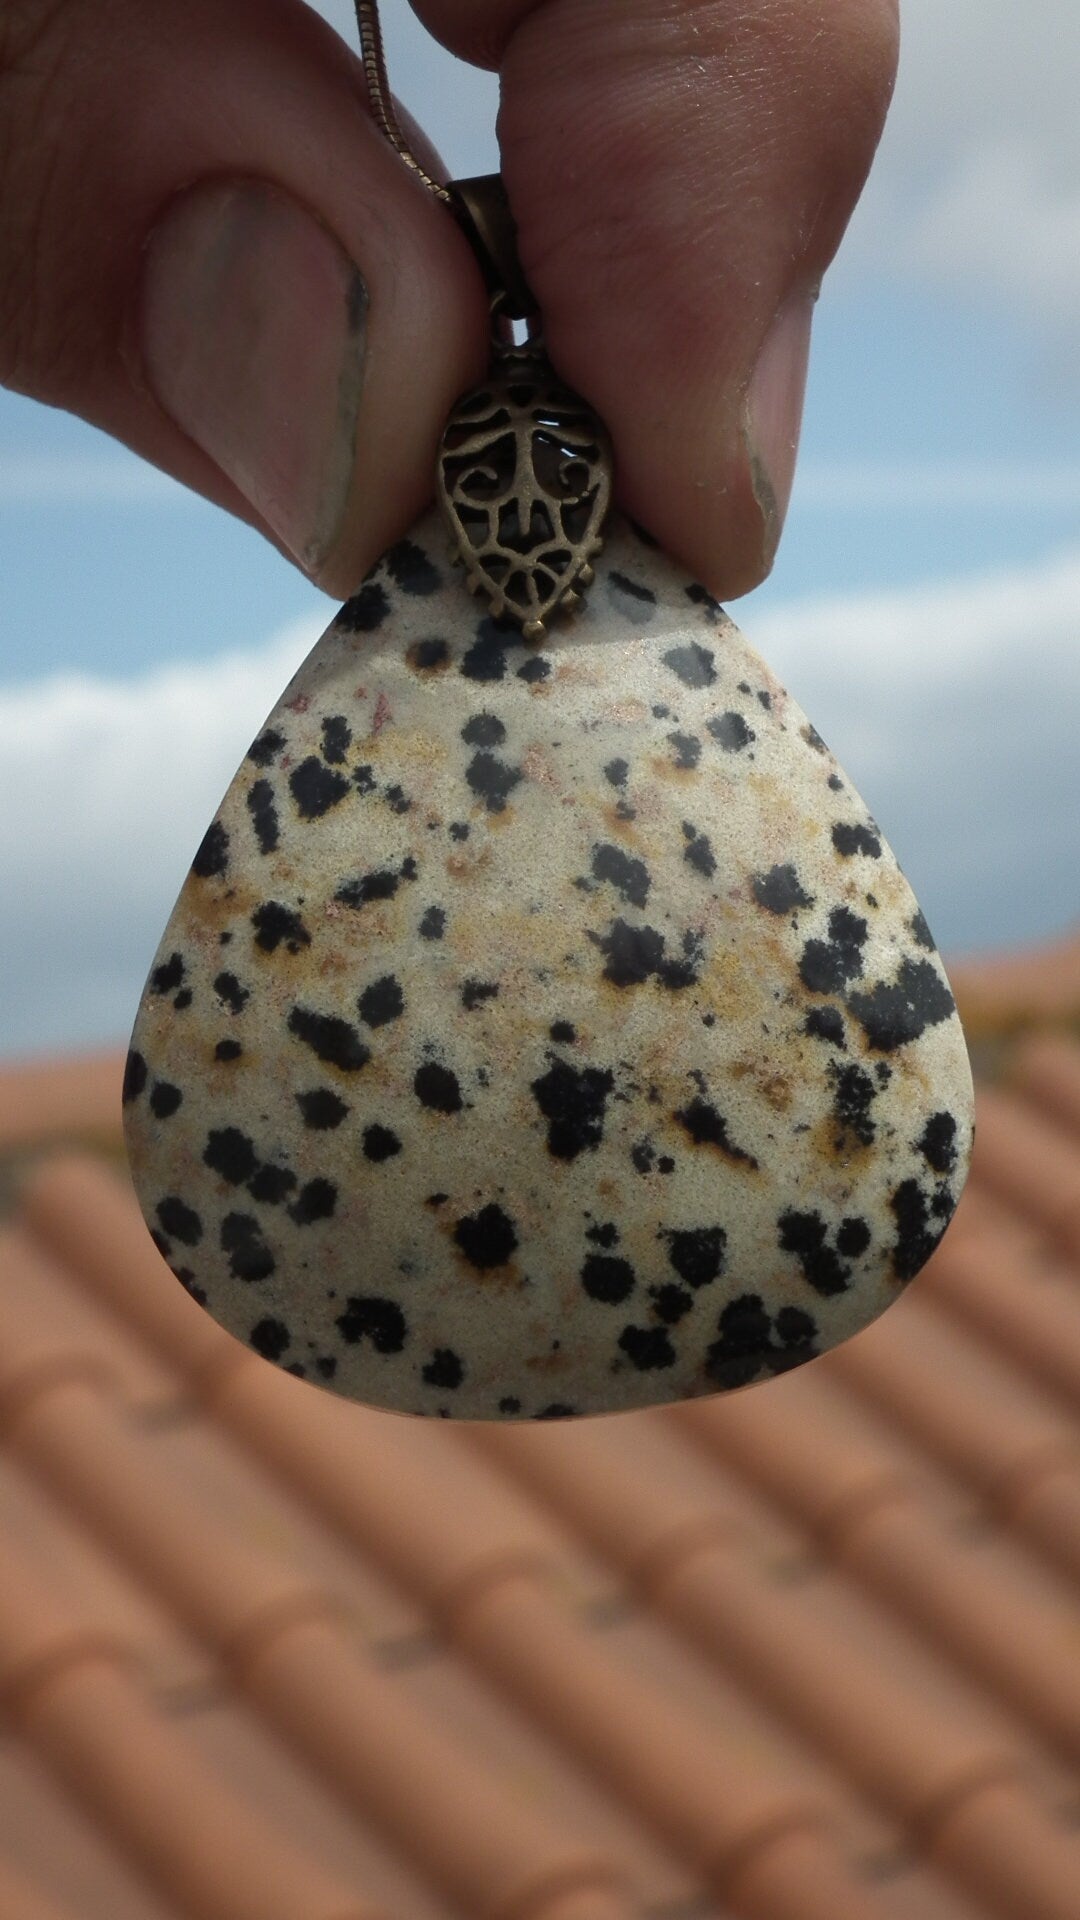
<point x="524" y="479"/>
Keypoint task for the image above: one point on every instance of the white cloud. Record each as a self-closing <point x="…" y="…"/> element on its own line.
<point x="977" y="182"/>
<point x="953" y="708"/>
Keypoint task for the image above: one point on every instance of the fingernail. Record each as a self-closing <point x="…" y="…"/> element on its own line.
<point x="253" y="328"/>
<point x="773" y="415"/>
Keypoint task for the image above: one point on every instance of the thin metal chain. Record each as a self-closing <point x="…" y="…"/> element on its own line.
<point x="382" y="103"/>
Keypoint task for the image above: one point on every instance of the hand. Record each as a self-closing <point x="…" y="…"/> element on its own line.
<point x="210" y="251"/>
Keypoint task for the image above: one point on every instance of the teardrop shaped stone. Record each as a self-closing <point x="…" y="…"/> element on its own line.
<point x="544" y="1030"/>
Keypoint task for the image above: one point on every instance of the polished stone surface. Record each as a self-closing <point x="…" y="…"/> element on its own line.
<point x="544" y="1029"/>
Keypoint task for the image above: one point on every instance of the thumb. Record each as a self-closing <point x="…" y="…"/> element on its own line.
<point x="681" y="172"/>
<point x="211" y="252"/>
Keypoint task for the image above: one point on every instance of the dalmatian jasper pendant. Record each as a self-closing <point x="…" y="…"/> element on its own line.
<point x="544" y="1027"/>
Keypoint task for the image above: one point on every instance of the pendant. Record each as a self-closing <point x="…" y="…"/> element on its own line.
<point x="544" y="1027"/>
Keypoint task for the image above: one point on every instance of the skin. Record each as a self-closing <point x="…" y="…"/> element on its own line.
<point x="681" y="172"/>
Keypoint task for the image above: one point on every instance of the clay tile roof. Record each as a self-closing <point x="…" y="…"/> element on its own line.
<point x="807" y="1652"/>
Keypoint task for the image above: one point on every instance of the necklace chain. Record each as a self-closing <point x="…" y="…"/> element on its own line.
<point x="382" y="100"/>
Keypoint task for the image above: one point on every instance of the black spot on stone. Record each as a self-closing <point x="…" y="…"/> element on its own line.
<point x="697" y="1253"/>
<point x="326" y="1365"/>
<point x="665" y="1164"/>
<point x="708" y="1128"/>
<point x="694" y="665"/>
<point x="179" y="1221"/>
<point x="316" y="1200"/>
<point x="492" y="780"/>
<point x="381" y="885"/>
<point x="428" y="656"/>
<point x="264" y="750"/>
<point x="231" y="1154"/>
<point x="632" y="588"/>
<point x="382" y="1001"/>
<point x="270" y="1337"/>
<point x="316" y="788"/>
<point x="459" y="830"/>
<point x="411" y="570"/>
<point x="937" y="1143"/>
<point x="183" y="999"/>
<point x="444" y="1369"/>
<point x="164" y="1099"/>
<point x="330" y="1039"/>
<point x="249" y="1256"/>
<point x="765" y="700"/>
<point x="643" y="1156"/>
<point x="633" y="954"/>
<point x="336" y="738"/>
<point x="535" y="669"/>
<point x="231" y="993"/>
<point x="264" y="816"/>
<point x="813" y="738"/>
<point x="556" y="1410"/>
<point x="134" y="1078"/>
<point x="629" y="876"/>
<point x="698" y="851"/>
<point x="321" y="1110"/>
<point x="701" y="597"/>
<point x="187" y="1281"/>
<point x="853" y="1236"/>
<point x="795" y="1327"/>
<point x="213" y="854"/>
<point x="380" y="1143"/>
<point x="488" y="1238"/>
<point x="661" y="713"/>
<point x="369" y="1317"/>
<point x="409" y="868"/>
<point x="603" y="1233"/>
<point x="616" y="772"/>
<point x="483" y="730"/>
<point x="854" y="1094"/>
<point x="921" y="933"/>
<point x="271" y="1185"/>
<point x="606" y="1277"/>
<point x="433" y="924"/>
<point x="572" y="1101"/>
<point x="475" y="992"/>
<point x="366" y="610"/>
<point x="364" y="780"/>
<point x="746" y="1347"/>
<point x="687" y="749"/>
<point x="780" y="890"/>
<point x="804" y="1235"/>
<point x="730" y="731"/>
<point x="275" y="924"/>
<point x="835" y="783"/>
<point x="168" y="976"/>
<point x="826" y="966"/>
<point x="892" y="1015"/>
<point x="486" y="658"/>
<point x="826" y="1023"/>
<point x="852" y="837"/>
<point x="398" y="800"/>
<point x="563" y="1031"/>
<point x="437" y="1087"/>
<point x="917" y="1233"/>
<point x="647" y="1348"/>
<point x="671" y="1303"/>
<point x="509" y="1403"/>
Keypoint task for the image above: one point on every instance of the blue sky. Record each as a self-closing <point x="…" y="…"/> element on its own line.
<point x="925" y="605"/>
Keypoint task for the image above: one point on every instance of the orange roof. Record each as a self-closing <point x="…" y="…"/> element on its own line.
<point x="806" y="1652"/>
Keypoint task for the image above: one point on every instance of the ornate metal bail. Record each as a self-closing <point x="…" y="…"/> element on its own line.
<point x="524" y="472"/>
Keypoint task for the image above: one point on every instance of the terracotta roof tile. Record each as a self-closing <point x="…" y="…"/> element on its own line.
<point x="803" y="1653"/>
